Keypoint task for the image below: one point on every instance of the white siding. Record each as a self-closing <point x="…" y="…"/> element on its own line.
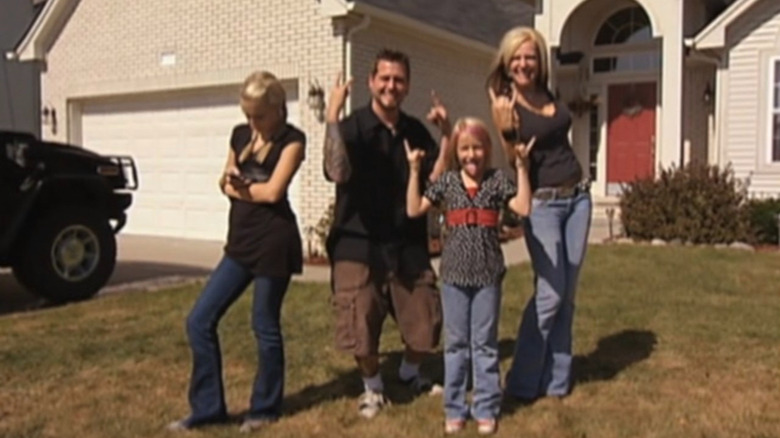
<point x="750" y="40"/>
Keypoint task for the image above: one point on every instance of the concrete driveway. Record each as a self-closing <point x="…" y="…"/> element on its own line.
<point x="152" y="263"/>
<point x="144" y="263"/>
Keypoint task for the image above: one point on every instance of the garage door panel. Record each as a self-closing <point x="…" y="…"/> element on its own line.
<point x="179" y="143"/>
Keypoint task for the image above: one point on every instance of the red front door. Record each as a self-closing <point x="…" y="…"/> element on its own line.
<point x="631" y="132"/>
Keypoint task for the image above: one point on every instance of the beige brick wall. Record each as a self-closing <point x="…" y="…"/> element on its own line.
<point x="114" y="48"/>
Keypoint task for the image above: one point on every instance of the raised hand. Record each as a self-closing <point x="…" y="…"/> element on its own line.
<point x="503" y="111"/>
<point x="338" y="96"/>
<point x="438" y="114"/>
<point x="414" y="156"/>
<point x="523" y="151"/>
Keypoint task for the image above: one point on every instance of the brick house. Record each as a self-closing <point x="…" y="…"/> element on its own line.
<point x="158" y="80"/>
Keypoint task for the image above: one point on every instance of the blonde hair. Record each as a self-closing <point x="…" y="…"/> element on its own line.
<point x="263" y="88"/>
<point x="498" y="79"/>
<point x="478" y="129"/>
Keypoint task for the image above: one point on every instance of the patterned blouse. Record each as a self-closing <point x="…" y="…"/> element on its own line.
<point x="471" y="254"/>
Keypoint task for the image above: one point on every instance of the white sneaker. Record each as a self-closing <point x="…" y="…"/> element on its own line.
<point x="423" y="385"/>
<point x="370" y="403"/>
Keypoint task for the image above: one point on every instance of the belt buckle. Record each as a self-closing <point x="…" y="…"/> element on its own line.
<point x="471" y="217"/>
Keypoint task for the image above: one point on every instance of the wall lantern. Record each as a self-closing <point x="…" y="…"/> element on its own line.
<point x="315" y="100"/>
<point x="707" y="96"/>
<point x="49" y="118"/>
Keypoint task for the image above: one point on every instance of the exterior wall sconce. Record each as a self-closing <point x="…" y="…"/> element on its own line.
<point x="315" y="100"/>
<point x="49" y="118"/>
<point x="707" y="96"/>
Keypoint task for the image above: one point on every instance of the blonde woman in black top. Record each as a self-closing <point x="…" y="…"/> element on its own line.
<point x="263" y="246"/>
<point x="556" y="231"/>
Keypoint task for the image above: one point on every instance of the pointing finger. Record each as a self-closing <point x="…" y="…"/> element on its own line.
<point x="407" y="147"/>
<point x="491" y="94"/>
<point x="338" y="78"/>
<point x="435" y="98"/>
<point x="530" y="144"/>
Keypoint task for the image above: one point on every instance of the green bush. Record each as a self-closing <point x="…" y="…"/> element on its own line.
<point x="696" y="203"/>
<point x="763" y="219"/>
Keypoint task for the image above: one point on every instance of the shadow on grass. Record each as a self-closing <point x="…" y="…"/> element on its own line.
<point x="613" y="354"/>
<point x="350" y="385"/>
<point x="127" y="276"/>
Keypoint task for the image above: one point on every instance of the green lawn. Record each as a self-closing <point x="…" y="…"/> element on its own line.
<point x="670" y="342"/>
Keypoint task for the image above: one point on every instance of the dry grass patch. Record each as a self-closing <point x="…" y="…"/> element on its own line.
<point x="670" y="342"/>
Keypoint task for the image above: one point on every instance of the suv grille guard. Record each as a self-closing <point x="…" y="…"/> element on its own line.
<point x="128" y="168"/>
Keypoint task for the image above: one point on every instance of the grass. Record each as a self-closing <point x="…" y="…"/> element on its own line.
<point x="670" y="342"/>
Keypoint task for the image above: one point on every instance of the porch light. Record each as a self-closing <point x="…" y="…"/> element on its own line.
<point x="49" y="118"/>
<point x="315" y="100"/>
<point x="707" y="96"/>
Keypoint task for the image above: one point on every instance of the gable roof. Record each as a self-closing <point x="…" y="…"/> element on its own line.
<point x="47" y="25"/>
<point x="714" y="35"/>
<point x="483" y="20"/>
<point x="476" y="23"/>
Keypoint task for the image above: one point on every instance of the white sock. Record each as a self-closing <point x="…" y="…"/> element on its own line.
<point x="374" y="383"/>
<point x="408" y="370"/>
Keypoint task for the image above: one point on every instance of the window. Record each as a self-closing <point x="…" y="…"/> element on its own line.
<point x="775" y="114"/>
<point x="630" y="27"/>
<point x="627" y="26"/>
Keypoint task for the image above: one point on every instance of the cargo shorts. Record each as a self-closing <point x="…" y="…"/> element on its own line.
<point x="364" y="295"/>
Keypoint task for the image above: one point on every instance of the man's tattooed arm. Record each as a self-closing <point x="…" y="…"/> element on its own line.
<point x="335" y="158"/>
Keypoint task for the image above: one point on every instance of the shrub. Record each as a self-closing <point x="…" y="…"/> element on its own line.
<point x="763" y="219"/>
<point x="696" y="203"/>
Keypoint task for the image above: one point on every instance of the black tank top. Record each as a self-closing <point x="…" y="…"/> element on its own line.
<point x="264" y="237"/>
<point x="552" y="161"/>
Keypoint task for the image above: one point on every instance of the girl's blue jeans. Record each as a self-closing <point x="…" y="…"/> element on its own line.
<point x="206" y="393"/>
<point x="471" y="342"/>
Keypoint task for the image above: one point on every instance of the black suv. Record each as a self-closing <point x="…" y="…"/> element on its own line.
<point x="60" y="208"/>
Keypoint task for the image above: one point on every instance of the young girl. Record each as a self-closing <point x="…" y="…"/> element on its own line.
<point x="472" y="265"/>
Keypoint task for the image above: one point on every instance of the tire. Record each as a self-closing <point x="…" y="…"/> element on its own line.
<point x="69" y="254"/>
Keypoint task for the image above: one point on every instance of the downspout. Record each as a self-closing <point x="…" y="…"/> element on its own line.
<point x="364" y="23"/>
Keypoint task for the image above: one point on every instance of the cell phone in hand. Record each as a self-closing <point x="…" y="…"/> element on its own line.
<point x="238" y="180"/>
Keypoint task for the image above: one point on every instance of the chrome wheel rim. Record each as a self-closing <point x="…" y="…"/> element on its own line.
<point x="75" y="253"/>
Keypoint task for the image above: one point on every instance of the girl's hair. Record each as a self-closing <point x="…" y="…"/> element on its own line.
<point x="262" y="87"/>
<point x="498" y="79"/>
<point x="477" y="129"/>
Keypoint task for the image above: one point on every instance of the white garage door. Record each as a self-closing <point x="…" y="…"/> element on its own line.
<point x="179" y="143"/>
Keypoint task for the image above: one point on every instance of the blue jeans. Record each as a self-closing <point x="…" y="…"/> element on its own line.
<point x="206" y="393"/>
<point x="556" y="235"/>
<point x="471" y="339"/>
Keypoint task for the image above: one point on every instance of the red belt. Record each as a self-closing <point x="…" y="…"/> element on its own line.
<point x="472" y="216"/>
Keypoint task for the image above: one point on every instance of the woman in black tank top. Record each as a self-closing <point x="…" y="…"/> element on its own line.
<point x="263" y="246"/>
<point x="556" y="231"/>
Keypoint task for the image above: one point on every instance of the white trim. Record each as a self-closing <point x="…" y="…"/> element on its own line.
<point x="50" y="20"/>
<point x="774" y="65"/>
<point x="714" y="35"/>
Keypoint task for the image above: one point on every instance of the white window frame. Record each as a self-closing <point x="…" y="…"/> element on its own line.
<point x="774" y="67"/>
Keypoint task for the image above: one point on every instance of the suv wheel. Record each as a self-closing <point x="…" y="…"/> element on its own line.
<point x="69" y="255"/>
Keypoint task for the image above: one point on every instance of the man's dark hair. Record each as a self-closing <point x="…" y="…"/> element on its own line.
<point x="392" y="56"/>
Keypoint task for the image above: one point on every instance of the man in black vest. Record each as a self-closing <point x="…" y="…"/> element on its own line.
<point x="379" y="256"/>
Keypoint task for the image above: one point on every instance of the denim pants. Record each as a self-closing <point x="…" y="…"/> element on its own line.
<point x="556" y="235"/>
<point x="206" y="393"/>
<point x="471" y="340"/>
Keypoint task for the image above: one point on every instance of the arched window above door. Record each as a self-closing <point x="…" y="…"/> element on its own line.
<point x="623" y="43"/>
<point x="626" y="26"/>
